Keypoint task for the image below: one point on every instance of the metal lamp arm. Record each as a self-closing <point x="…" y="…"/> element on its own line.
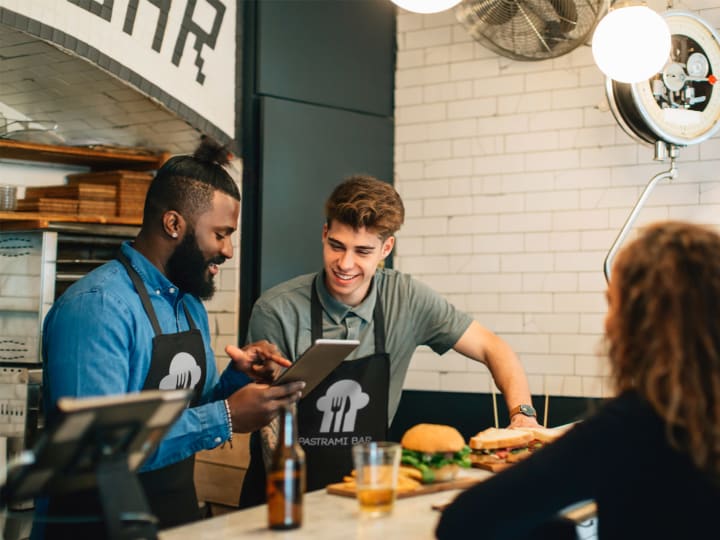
<point x="671" y="174"/>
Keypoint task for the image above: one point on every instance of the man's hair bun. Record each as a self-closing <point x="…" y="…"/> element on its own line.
<point x="210" y="151"/>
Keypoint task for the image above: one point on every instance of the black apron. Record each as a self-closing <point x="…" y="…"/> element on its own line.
<point x="349" y="406"/>
<point x="177" y="361"/>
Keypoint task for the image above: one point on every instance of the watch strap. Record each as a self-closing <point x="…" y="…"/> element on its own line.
<point x="527" y="410"/>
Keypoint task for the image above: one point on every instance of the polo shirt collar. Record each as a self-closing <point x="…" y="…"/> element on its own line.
<point x="336" y="310"/>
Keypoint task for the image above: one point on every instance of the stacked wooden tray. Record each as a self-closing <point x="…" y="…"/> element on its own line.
<point x="131" y="188"/>
<point x="78" y="199"/>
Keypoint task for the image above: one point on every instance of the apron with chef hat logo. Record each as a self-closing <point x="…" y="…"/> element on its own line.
<point x="349" y="406"/>
<point x="177" y="361"/>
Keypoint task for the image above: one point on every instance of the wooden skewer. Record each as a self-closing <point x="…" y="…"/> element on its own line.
<point x="547" y="406"/>
<point x="495" y="410"/>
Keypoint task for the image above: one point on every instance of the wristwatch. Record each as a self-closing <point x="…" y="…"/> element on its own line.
<point x="527" y="410"/>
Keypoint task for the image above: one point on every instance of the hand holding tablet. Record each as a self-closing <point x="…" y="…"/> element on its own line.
<point x="317" y="362"/>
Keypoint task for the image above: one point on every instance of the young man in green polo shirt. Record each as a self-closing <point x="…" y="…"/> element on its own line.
<point x="391" y="314"/>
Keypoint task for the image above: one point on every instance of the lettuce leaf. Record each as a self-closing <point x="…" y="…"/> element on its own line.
<point x="427" y="462"/>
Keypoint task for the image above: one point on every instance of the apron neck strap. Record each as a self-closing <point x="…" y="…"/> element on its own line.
<point x="145" y="298"/>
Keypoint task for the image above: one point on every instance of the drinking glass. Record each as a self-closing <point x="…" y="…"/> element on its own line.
<point x="376" y="467"/>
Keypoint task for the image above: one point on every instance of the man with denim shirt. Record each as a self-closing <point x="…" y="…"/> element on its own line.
<point x="138" y="323"/>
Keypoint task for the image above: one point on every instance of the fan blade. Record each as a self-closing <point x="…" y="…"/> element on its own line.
<point x="568" y="13"/>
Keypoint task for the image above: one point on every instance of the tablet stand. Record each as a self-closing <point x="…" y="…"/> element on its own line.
<point x="94" y="446"/>
<point x="126" y="513"/>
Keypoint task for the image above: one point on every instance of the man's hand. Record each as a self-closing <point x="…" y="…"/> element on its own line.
<point x="520" y="420"/>
<point x="255" y="404"/>
<point x="261" y="360"/>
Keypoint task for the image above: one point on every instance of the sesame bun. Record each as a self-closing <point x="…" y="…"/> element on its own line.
<point x="432" y="438"/>
<point x="493" y="438"/>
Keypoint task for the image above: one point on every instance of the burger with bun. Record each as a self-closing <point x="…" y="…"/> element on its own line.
<point x="436" y="450"/>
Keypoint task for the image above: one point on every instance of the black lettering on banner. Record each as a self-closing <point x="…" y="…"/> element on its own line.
<point x="202" y="38"/>
<point x="163" y="7"/>
<point x="101" y="8"/>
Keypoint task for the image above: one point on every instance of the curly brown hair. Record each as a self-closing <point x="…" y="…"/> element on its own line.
<point x="363" y="201"/>
<point x="663" y="332"/>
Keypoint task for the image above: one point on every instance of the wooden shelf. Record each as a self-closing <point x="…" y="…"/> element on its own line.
<point x="98" y="158"/>
<point x="18" y="221"/>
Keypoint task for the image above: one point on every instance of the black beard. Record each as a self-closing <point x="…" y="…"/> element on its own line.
<point x="186" y="268"/>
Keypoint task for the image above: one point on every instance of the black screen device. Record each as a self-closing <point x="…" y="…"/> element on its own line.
<point x="318" y="362"/>
<point x="86" y="431"/>
<point x="99" y="442"/>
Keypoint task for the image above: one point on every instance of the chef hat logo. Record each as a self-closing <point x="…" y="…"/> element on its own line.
<point x="184" y="373"/>
<point x="340" y="405"/>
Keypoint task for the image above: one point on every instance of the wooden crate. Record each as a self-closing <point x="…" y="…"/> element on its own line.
<point x="131" y="188"/>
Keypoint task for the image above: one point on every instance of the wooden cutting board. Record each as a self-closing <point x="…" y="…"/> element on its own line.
<point x="343" y="489"/>
<point x="493" y="467"/>
<point x="46" y="205"/>
<point x="82" y="191"/>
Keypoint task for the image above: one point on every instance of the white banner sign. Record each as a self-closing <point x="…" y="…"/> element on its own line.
<point x="184" y="47"/>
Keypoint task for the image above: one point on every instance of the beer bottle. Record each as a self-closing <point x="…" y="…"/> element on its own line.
<point x="286" y="476"/>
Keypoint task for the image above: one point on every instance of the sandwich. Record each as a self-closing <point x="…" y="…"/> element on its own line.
<point x="492" y="446"/>
<point x="437" y="451"/>
<point x="495" y="448"/>
<point x="541" y="437"/>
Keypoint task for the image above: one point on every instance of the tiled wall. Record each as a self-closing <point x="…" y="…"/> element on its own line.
<point x="516" y="180"/>
<point x="79" y="103"/>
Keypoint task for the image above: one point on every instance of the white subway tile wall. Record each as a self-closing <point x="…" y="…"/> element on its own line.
<point x="517" y="179"/>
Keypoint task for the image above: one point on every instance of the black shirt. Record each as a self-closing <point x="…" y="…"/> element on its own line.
<point x="620" y="457"/>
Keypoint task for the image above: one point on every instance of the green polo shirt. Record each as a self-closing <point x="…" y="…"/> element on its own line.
<point x="414" y="315"/>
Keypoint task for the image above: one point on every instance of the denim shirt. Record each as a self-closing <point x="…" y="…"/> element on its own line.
<point x="97" y="340"/>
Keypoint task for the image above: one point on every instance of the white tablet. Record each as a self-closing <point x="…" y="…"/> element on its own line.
<point x="317" y="362"/>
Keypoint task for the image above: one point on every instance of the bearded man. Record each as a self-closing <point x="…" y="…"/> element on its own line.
<point x="138" y="323"/>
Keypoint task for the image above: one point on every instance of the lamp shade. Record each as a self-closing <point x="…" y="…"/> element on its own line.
<point x="631" y="43"/>
<point x="426" y="6"/>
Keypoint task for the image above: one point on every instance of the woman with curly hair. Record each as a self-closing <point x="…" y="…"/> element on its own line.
<point x="650" y="458"/>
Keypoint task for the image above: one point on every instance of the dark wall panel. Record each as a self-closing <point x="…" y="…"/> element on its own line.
<point x="318" y="84"/>
<point x="306" y="151"/>
<point x="339" y="53"/>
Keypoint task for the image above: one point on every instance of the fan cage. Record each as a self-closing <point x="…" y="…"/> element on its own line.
<point x="530" y="29"/>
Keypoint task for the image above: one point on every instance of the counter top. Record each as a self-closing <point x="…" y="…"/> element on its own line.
<point x="325" y="515"/>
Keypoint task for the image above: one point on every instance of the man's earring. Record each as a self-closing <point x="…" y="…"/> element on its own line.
<point x="174" y="235"/>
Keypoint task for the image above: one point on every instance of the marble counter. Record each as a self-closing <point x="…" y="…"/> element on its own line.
<point x="329" y="517"/>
